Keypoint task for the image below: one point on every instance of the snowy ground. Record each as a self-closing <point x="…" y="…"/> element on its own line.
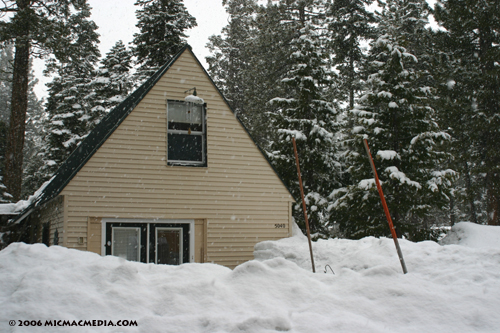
<point x="449" y="288"/>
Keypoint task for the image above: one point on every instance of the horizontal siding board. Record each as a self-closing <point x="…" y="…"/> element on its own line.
<point x="247" y="200"/>
<point x="221" y="158"/>
<point x="209" y="204"/>
<point x="215" y="197"/>
<point x="171" y="205"/>
<point x="230" y="178"/>
<point x="171" y="213"/>
<point x="148" y="186"/>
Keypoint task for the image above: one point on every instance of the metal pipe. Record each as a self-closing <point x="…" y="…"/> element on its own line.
<point x="386" y="209"/>
<point x="303" y="204"/>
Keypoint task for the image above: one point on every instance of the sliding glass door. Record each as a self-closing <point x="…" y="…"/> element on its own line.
<point x="159" y="243"/>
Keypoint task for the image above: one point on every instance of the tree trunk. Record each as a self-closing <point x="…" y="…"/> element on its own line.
<point x="493" y="203"/>
<point x="470" y="192"/>
<point x="351" y="76"/>
<point x="19" y="107"/>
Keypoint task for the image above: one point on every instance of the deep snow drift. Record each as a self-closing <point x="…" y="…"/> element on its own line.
<point x="449" y="288"/>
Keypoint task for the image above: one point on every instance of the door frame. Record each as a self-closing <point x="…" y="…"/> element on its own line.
<point x="148" y="222"/>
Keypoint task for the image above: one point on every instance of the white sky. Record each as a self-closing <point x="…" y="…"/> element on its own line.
<point x="116" y="20"/>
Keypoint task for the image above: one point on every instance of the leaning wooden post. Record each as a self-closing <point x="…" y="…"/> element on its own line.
<point x="303" y="204"/>
<point x="386" y="209"/>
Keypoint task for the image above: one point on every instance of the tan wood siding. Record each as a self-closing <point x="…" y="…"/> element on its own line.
<point x="53" y="213"/>
<point x="236" y="200"/>
<point x="94" y="234"/>
<point x="199" y="240"/>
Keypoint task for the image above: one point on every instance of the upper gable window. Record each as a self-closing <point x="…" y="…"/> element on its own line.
<point x="186" y="133"/>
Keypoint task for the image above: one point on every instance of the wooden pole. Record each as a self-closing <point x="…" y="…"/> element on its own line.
<point x="303" y="204"/>
<point x="386" y="209"/>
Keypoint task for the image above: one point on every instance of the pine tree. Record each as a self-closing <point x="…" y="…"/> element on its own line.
<point x="34" y="111"/>
<point x="349" y="26"/>
<point x="472" y="53"/>
<point x="232" y="55"/>
<point x="162" y="25"/>
<point x="6" y="64"/>
<point x="396" y="117"/>
<point x="71" y="102"/>
<point x="456" y="111"/>
<point x="37" y="28"/>
<point x="250" y="59"/>
<point x="305" y="114"/>
<point x="113" y="82"/>
<point x="34" y="143"/>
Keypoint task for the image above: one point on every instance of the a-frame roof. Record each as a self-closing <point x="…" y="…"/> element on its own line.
<point x="103" y="131"/>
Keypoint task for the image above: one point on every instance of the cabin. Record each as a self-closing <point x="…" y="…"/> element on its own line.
<point x="169" y="176"/>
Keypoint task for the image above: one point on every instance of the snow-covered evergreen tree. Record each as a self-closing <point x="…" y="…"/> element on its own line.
<point x="71" y="101"/>
<point x="349" y="26"/>
<point x="456" y="107"/>
<point x="231" y="61"/>
<point x="471" y="107"/>
<point x="305" y="114"/>
<point x="113" y="82"/>
<point x="34" y="111"/>
<point x="6" y="63"/>
<point x="396" y="117"/>
<point x="34" y="143"/>
<point x="162" y="25"/>
<point x="37" y="28"/>
<point x="250" y="58"/>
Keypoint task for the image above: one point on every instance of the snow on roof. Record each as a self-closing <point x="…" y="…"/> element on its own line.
<point x="16" y="208"/>
<point x="276" y="292"/>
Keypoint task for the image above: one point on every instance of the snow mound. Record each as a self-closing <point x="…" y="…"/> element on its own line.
<point x="449" y="288"/>
<point x="473" y="235"/>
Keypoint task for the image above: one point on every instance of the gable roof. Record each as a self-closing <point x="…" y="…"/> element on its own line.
<point x="103" y="130"/>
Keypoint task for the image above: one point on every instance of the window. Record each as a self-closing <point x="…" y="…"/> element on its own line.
<point x="168" y="242"/>
<point x="186" y="133"/>
<point x="169" y="246"/>
<point x="126" y="243"/>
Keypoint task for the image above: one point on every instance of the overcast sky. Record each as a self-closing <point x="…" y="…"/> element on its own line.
<point x="116" y="20"/>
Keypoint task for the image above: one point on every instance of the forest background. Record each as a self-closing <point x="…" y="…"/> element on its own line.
<point x="328" y="72"/>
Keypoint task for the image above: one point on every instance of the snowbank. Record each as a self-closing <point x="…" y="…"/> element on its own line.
<point x="449" y="288"/>
<point x="473" y="235"/>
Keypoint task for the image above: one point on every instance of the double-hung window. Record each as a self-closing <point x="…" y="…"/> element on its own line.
<point x="186" y="133"/>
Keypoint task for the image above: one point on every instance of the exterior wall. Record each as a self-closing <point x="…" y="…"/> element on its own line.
<point x="53" y="213"/>
<point x="236" y="201"/>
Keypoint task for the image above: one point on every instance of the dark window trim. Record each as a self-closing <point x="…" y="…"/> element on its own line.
<point x="143" y="241"/>
<point x="204" y="136"/>
<point x="185" y="239"/>
<point x="148" y="236"/>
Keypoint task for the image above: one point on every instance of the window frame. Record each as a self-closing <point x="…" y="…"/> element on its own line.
<point x="181" y="240"/>
<point x="113" y="240"/>
<point x="203" y="134"/>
